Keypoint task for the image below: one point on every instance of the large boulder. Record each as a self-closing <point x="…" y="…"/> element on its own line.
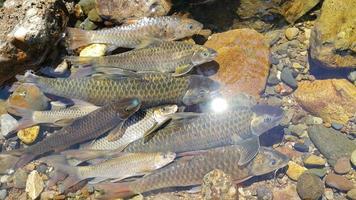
<point x="243" y="59"/>
<point x="28" y="30"/>
<point x="294" y="9"/>
<point x="333" y="39"/>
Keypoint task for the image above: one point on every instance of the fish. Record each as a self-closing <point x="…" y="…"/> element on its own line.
<point x="61" y="117"/>
<point x="139" y="125"/>
<point x="82" y="129"/>
<point x="211" y="130"/>
<point x="190" y="172"/>
<point x="171" y="56"/>
<point x="121" y="10"/>
<point x="136" y="33"/>
<point x="115" y="169"/>
<point x="153" y="89"/>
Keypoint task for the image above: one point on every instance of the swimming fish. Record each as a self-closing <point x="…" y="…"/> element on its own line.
<point x="121" y="10"/>
<point x="61" y="117"/>
<point x="211" y="130"/>
<point x="172" y="56"/>
<point x="153" y="89"/>
<point x="190" y="172"/>
<point x="136" y="33"/>
<point x="139" y="125"/>
<point x="83" y="129"/>
<point x="116" y="169"/>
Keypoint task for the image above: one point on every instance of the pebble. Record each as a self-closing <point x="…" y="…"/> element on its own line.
<point x="19" y="178"/>
<point x="295" y="170"/>
<point x="273" y="79"/>
<point x="88" y="25"/>
<point x="274" y="60"/>
<point x="288" y="78"/>
<point x="218" y="185"/>
<point x="352" y="76"/>
<point x="296" y="65"/>
<point x="329" y="194"/>
<point x="352" y="194"/>
<point x="34" y="185"/>
<point x="320" y="172"/>
<point x="3" y="194"/>
<point x="311" y="120"/>
<point x="28" y="135"/>
<point x="291" y="33"/>
<point x="282" y="49"/>
<point x="4" y="178"/>
<point x="338" y="182"/>
<point x="310" y="187"/>
<point x="314" y="161"/>
<point x="336" y="126"/>
<point x="353" y="157"/>
<point x="94" y="16"/>
<point x="342" y="166"/>
<point x="298" y="129"/>
<point x="263" y="193"/>
<point x="272" y="37"/>
<point x="93" y="50"/>
<point x="42" y="168"/>
<point x="301" y="147"/>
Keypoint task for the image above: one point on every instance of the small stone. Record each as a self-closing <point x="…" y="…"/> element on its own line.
<point x="352" y="194"/>
<point x="338" y="182"/>
<point x="320" y="172"/>
<point x="336" y="126"/>
<point x="294" y="170"/>
<point x="42" y="168"/>
<point x="301" y="147"/>
<point x="342" y="166"/>
<point x="94" y="16"/>
<point x="353" y="157"/>
<point x="297" y="66"/>
<point x="3" y="194"/>
<point x="28" y="135"/>
<point x="274" y="60"/>
<point x="4" y="179"/>
<point x="283" y="89"/>
<point x="7" y="124"/>
<point x="352" y="76"/>
<point x="291" y="33"/>
<point x="329" y="194"/>
<point x="311" y="120"/>
<point x="218" y="185"/>
<point x="34" y="185"/>
<point x="288" y="78"/>
<point x="88" y="25"/>
<point x="273" y="37"/>
<point x="263" y="193"/>
<point x="94" y="50"/>
<point x="298" y="129"/>
<point x="310" y="187"/>
<point x="314" y="161"/>
<point x="19" y="178"/>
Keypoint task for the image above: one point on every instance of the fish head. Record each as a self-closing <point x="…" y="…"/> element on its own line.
<point x="126" y="107"/>
<point x="203" y="55"/>
<point x="158" y="7"/>
<point x="163" y="159"/>
<point x="161" y="114"/>
<point x="200" y="89"/>
<point x="266" y="161"/>
<point x="264" y="118"/>
<point x="184" y="27"/>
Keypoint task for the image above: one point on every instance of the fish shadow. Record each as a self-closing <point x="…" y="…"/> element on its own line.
<point x="273" y="136"/>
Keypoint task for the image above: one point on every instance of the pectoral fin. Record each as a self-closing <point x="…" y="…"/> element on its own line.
<point x="184" y="115"/>
<point x="116" y="133"/>
<point x="182" y="70"/>
<point x="63" y="122"/>
<point x="249" y="150"/>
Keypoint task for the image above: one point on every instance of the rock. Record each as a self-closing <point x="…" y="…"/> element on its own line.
<point x="86" y="5"/>
<point x="288" y="78"/>
<point x="28" y="135"/>
<point x="342" y="166"/>
<point x="87" y="25"/>
<point x="295" y="170"/>
<point x="94" y="16"/>
<point x="310" y="187"/>
<point x="291" y="33"/>
<point x="352" y="194"/>
<point x="333" y="99"/>
<point x="34" y="185"/>
<point x="243" y="58"/>
<point x="301" y="147"/>
<point x="314" y="161"/>
<point x="7" y="124"/>
<point x="28" y="29"/>
<point x="353" y="157"/>
<point x="336" y="126"/>
<point x="283" y="89"/>
<point x="272" y="37"/>
<point x="4" y="179"/>
<point x="310" y="120"/>
<point x="298" y="129"/>
<point x="19" y="178"/>
<point x="333" y="37"/>
<point x="3" y="194"/>
<point x="218" y="185"/>
<point x="297" y="66"/>
<point x="340" y="147"/>
<point x="263" y="193"/>
<point x="272" y="78"/>
<point x="320" y="172"/>
<point x="338" y="182"/>
<point x="293" y="10"/>
<point x="28" y="96"/>
<point x="352" y="77"/>
<point x="329" y="194"/>
<point x="93" y="50"/>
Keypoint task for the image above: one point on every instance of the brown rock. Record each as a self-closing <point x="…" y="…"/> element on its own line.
<point x="338" y="182"/>
<point x="333" y="99"/>
<point x="218" y="185"/>
<point x="27" y="30"/>
<point x="333" y="39"/>
<point x="342" y="166"/>
<point x="310" y="187"/>
<point x="243" y="58"/>
<point x="294" y="9"/>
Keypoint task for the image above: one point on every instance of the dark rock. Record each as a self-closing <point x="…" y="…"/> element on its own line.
<point x="301" y="147"/>
<point x="338" y="182"/>
<point x="288" y="78"/>
<point x="310" y="187"/>
<point x="336" y="126"/>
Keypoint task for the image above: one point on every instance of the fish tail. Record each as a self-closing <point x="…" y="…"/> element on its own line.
<point x="77" y="38"/>
<point x="114" y="190"/>
<point x="26" y="117"/>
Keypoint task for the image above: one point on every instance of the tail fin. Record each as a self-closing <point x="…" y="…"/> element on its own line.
<point x="81" y="61"/>
<point x="114" y="190"/>
<point x="26" y="120"/>
<point x="249" y="150"/>
<point x="77" y="38"/>
<point x="29" y="77"/>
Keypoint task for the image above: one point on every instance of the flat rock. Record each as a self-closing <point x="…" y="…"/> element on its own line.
<point x="338" y="182"/>
<point x="294" y="9"/>
<point x="314" y="161"/>
<point x="243" y="59"/>
<point x="333" y="38"/>
<point x="34" y="185"/>
<point x="342" y="166"/>
<point x="294" y="170"/>
<point x="310" y="187"/>
<point x="340" y="147"/>
<point x="333" y="100"/>
<point x="28" y="135"/>
<point x="218" y="185"/>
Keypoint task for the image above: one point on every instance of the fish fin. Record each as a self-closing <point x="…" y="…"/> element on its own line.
<point x="249" y="150"/>
<point x="8" y="125"/>
<point x="116" y="71"/>
<point x="148" y="134"/>
<point x="63" y="122"/>
<point x="77" y="38"/>
<point x="116" y="133"/>
<point x="114" y="190"/>
<point x="194" y="190"/>
<point x="81" y="61"/>
<point x="24" y="159"/>
<point x="28" y="77"/>
<point x="25" y="114"/>
<point x="81" y="103"/>
<point x="84" y="154"/>
<point x="182" y="70"/>
<point x="69" y="182"/>
<point x="192" y="153"/>
<point x="184" y="115"/>
<point x="148" y="42"/>
<point x="97" y="180"/>
<point x="110" y="48"/>
<point x="57" y="176"/>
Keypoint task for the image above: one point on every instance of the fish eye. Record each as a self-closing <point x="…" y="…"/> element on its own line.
<point x="205" y="54"/>
<point x="273" y="162"/>
<point x="153" y="7"/>
<point x="190" y="26"/>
